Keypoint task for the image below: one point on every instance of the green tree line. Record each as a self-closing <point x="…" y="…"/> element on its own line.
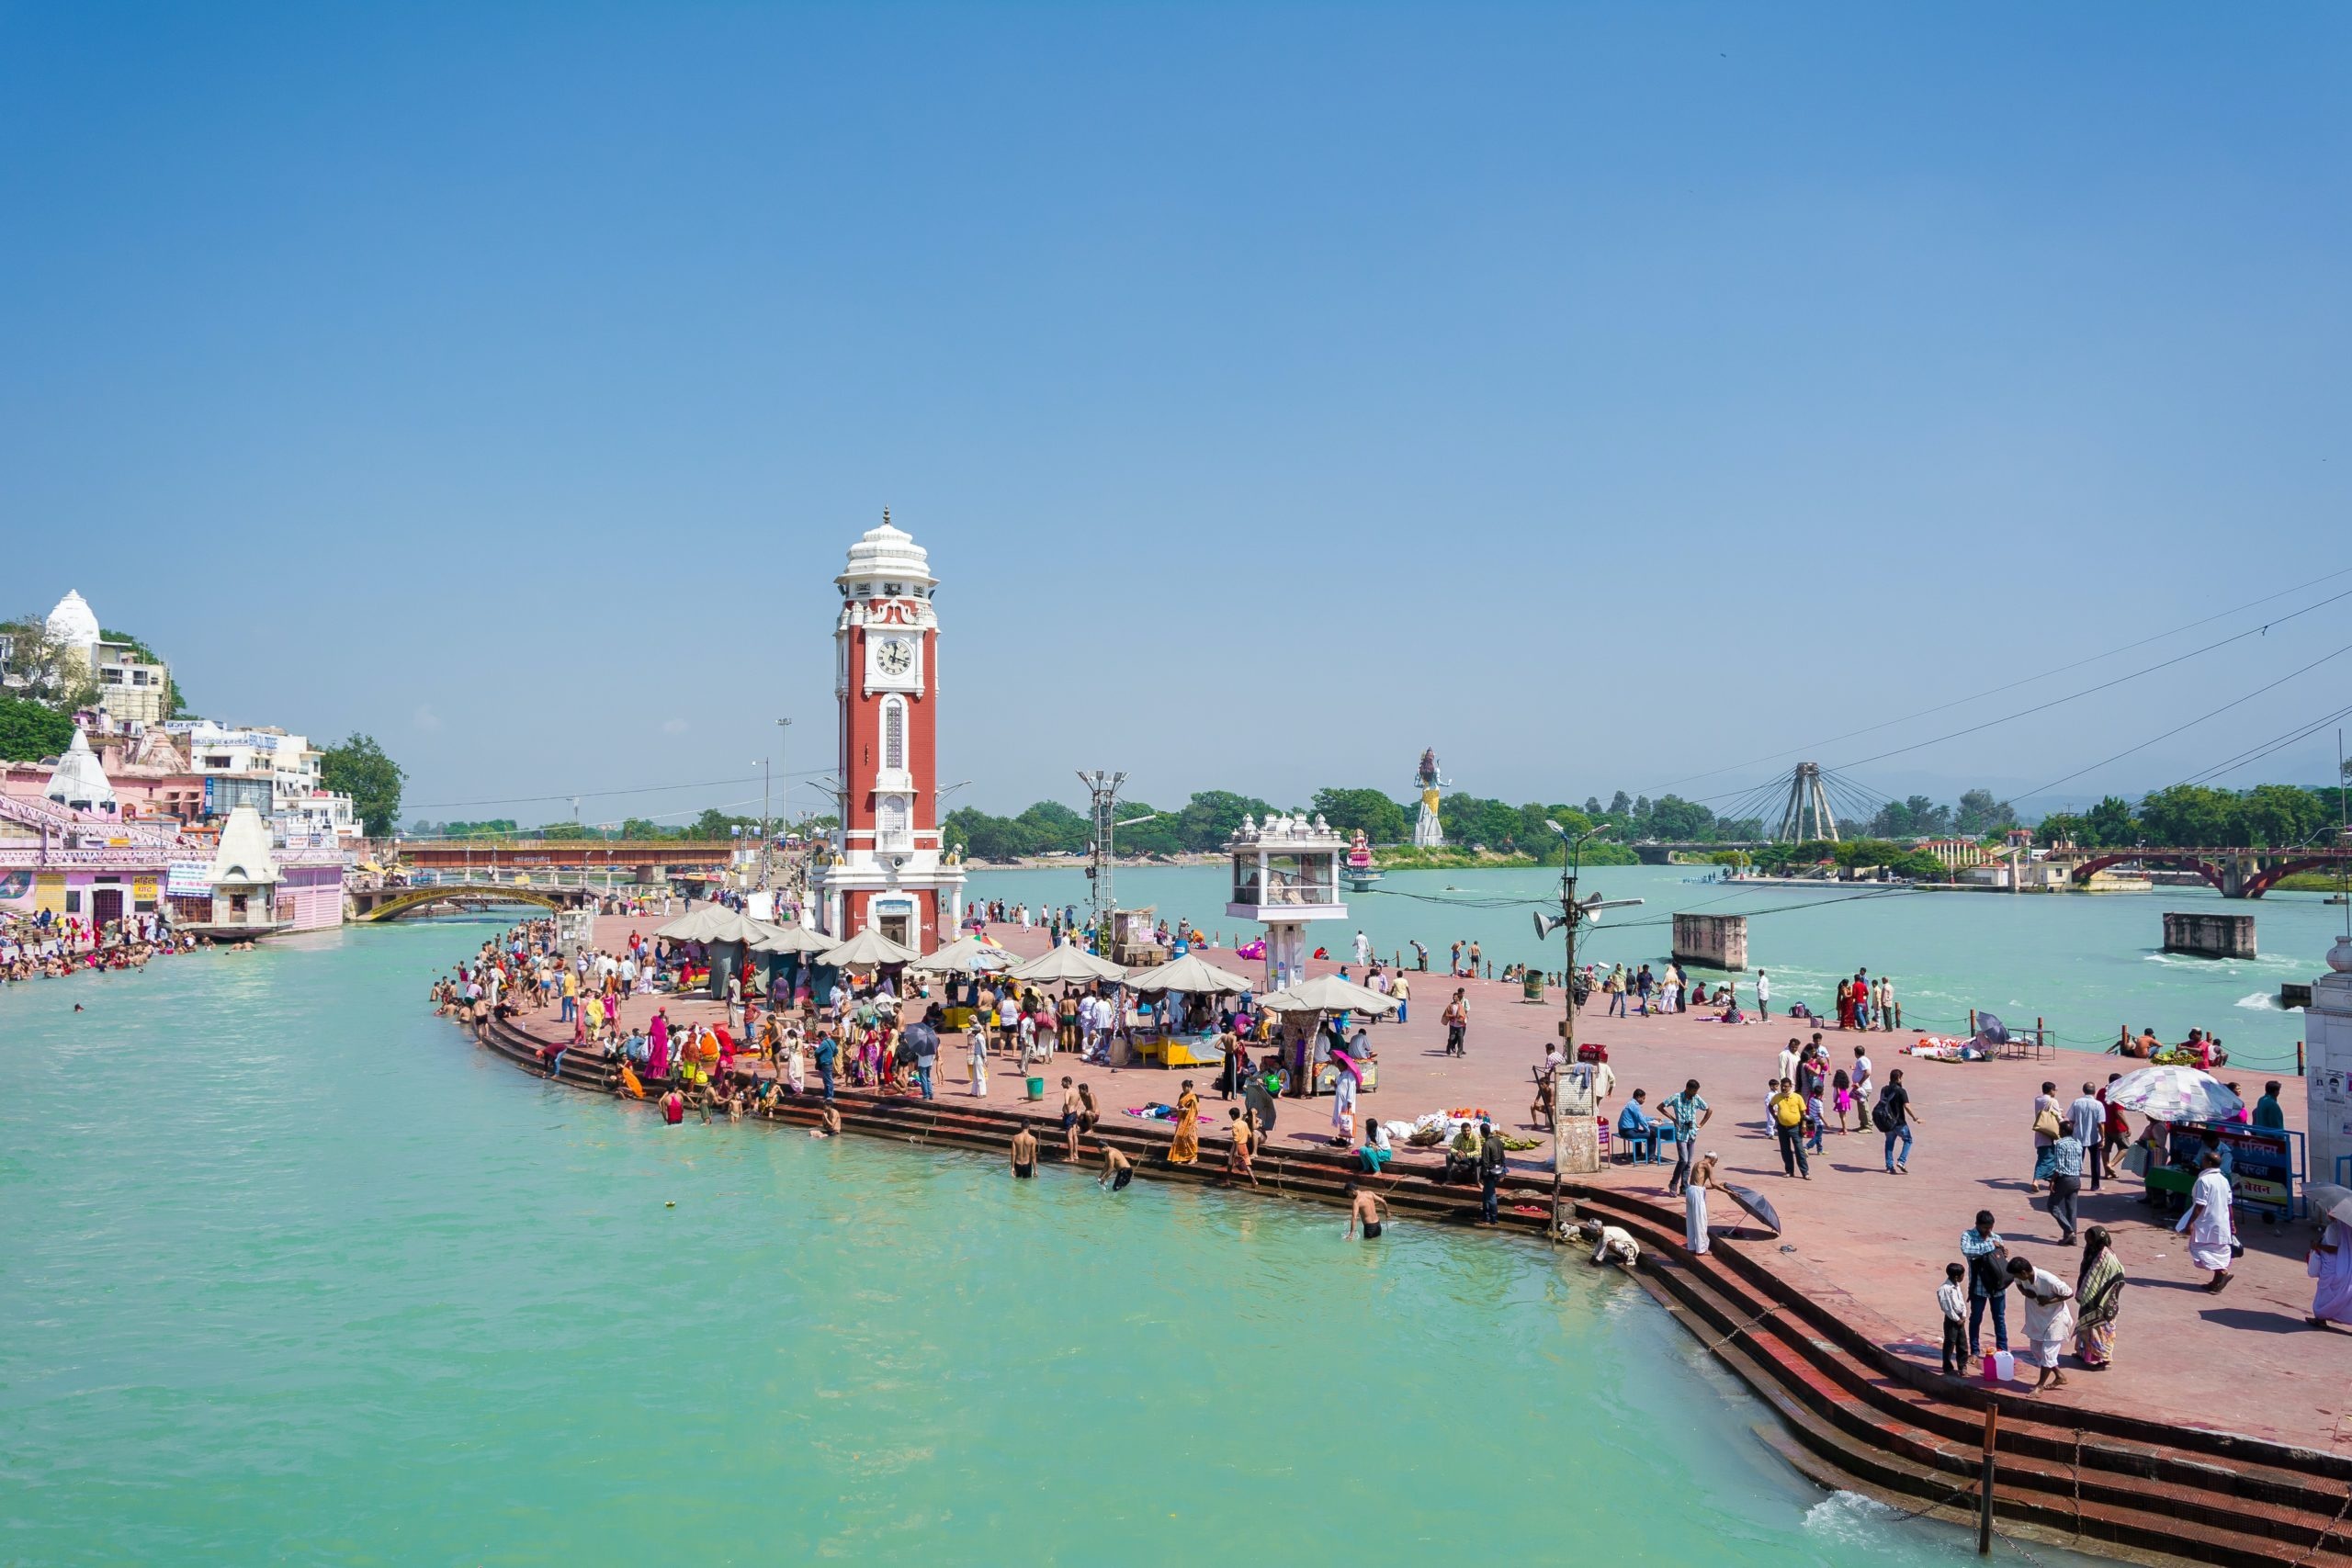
<point x="2184" y="816"/>
<point x="1204" y="822"/>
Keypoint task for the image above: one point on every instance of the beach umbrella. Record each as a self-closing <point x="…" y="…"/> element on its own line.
<point x="1755" y="1203"/>
<point x="789" y="938"/>
<point x="965" y="956"/>
<point x="2174" y="1094"/>
<point x="2329" y="1201"/>
<point x="1328" y="993"/>
<point x="1067" y="964"/>
<point x="1190" y="973"/>
<point x="868" y="949"/>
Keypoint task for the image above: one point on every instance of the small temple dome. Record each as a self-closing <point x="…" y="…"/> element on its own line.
<point x="73" y="621"/>
<point x="244" y="855"/>
<point x="79" y="784"/>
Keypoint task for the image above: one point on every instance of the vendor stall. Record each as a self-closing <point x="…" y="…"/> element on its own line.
<point x="1183" y="996"/>
<point x="1316" y="1019"/>
<point x="959" y="965"/>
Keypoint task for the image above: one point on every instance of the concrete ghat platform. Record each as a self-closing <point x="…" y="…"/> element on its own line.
<point x="1860" y="1401"/>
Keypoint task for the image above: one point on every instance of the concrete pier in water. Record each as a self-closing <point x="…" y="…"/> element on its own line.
<point x="2210" y="936"/>
<point x="1719" y="941"/>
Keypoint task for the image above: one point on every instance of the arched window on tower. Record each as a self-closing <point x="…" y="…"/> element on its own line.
<point x="894" y="734"/>
<point x="890" y="824"/>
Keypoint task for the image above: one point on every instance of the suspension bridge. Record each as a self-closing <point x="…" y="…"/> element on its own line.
<point x="1806" y="805"/>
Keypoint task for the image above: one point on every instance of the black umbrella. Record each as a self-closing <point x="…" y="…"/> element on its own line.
<point x="1991" y="1030"/>
<point x="1758" y="1204"/>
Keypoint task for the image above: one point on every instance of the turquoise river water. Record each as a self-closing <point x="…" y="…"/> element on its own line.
<point x="293" y="1273"/>
<point x="2083" y="962"/>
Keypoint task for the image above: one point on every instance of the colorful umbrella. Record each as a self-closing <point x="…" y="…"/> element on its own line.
<point x="2174" y="1094"/>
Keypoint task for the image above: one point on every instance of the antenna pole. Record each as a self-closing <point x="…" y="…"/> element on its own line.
<point x="1103" y="788"/>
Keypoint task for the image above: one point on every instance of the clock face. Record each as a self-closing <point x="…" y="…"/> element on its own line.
<point x="895" y="657"/>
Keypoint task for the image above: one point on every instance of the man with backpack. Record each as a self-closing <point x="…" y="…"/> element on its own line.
<point x="1987" y="1258"/>
<point x="1893" y="1115"/>
<point x="1493" y="1159"/>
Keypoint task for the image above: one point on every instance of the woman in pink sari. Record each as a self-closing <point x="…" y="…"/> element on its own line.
<point x="657" y="1061"/>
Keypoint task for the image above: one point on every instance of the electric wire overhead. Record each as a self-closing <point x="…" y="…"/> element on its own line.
<point x="2277" y="743"/>
<point x="2029" y="680"/>
<point x="2073" y="696"/>
<point x="2193" y="723"/>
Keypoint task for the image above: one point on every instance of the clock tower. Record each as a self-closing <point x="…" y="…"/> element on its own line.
<point x="888" y="868"/>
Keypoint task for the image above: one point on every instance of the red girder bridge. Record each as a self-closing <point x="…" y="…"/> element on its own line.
<point x="2234" y="872"/>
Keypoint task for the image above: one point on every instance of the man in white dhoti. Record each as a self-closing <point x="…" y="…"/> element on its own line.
<point x="2049" y="1319"/>
<point x="2331" y="1264"/>
<point x="1694" y="1202"/>
<point x="2208" y="1223"/>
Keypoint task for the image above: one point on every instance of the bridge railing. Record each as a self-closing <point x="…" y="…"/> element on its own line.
<point x="597" y="879"/>
<point x="2139" y="852"/>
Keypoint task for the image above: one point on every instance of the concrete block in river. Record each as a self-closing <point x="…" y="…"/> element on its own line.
<point x="1719" y="941"/>
<point x="2210" y="936"/>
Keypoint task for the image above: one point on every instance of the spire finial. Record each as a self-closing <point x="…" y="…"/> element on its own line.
<point x="886" y="517"/>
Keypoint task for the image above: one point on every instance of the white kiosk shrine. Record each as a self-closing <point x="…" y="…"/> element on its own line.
<point x="1285" y="873"/>
<point x="2327" y="1079"/>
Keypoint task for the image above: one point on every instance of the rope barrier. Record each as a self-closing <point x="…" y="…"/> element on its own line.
<point x="2078" y="1483"/>
<point x="1965" y="1489"/>
<point x="1740" y="1328"/>
<point x="2341" y="1510"/>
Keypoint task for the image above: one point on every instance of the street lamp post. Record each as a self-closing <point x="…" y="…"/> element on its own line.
<point x="767" y="776"/>
<point x="784" y="804"/>
<point x="1571" y="917"/>
<point x="1573" y="914"/>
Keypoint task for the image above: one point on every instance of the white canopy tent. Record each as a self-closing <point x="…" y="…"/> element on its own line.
<point x="1189" y="974"/>
<point x="1067" y="964"/>
<point x="791" y="938"/>
<point x="869" y="948"/>
<point x="697" y="925"/>
<point x="965" y="956"/>
<point x="1328" y="993"/>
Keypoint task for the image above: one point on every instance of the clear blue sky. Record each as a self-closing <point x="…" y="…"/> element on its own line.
<point x="1600" y="395"/>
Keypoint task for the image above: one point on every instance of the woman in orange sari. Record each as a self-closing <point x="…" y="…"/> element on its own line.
<point x="1187" y="1147"/>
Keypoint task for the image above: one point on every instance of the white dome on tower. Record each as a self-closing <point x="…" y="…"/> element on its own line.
<point x="887" y="553"/>
<point x="74" y="622"/>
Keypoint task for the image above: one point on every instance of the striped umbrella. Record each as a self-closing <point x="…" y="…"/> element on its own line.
<point x="2174" y="1094"/>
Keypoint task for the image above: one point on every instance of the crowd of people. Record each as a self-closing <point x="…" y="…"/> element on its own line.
<point x="877" y="1033"/>
<point x="51" y="946"/>
<point x="2201" y="1050"/>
